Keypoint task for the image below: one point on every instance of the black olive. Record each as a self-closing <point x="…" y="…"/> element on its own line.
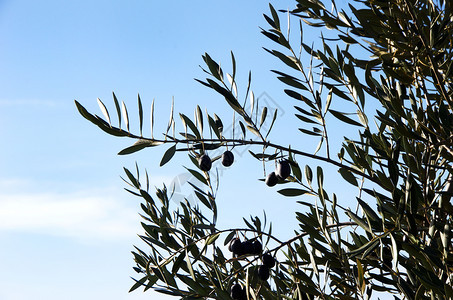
<point x="257" y="247"/>
<point x="263" y="272"/>
<point x="268" y="260"/>
<point x="283" y="169"/>
<point x="227" y="158"/>
<point x="205" y="163"/>
<point x="236" y="246"/>
<point x="236" y="291"/>
<point x="271" y="179"/>
<point x="247" y="247"/>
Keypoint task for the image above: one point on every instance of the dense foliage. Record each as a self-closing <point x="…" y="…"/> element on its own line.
<point x="396" y="241"/>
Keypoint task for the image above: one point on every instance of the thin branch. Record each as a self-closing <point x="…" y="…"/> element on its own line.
<point x="262" y="143"/>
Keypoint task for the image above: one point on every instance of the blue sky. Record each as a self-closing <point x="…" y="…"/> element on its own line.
<point x="66" y="225"/>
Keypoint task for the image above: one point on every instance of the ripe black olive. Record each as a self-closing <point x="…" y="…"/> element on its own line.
<point x="236" y="291"/>
<point x="283" y="169"/>
<point x="257" y="247"/>
<point x="271" y="179"/>
<point x="247" y="247"/>
<point x="227" y="158"/>
<point x="263" y="272"/>
<point x="268" y="260"/>
<point x="236" y="246"/>
<point x="205" y="163"/>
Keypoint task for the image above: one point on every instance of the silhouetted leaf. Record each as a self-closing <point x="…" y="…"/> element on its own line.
<point x="190" y="124"/>
<point x="348" y="176"/>
<point x="168" y="155"/>
<point x="342" y="117"/>
<point x="140" y="114"/>
<point x="292" y="192"/>
<point x="118" y="109"/>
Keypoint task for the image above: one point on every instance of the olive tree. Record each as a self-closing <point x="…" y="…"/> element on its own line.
<point x="388" y="65"/>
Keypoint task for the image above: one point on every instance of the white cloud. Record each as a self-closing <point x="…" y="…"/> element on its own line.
<point x="104" y="214"/>
<point x="81" y="215"/>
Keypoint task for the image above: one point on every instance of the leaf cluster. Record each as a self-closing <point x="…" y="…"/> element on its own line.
<point x="397" y="238"/>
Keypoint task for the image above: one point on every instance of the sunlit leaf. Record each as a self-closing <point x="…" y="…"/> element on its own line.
<point x="263" y="116"/>
<point x="139" y="145"/>
<point x="125" y="115"/>
<point x="199" y="115"/>
<point x="212" y="238"/>
<point x="104" y="111"/>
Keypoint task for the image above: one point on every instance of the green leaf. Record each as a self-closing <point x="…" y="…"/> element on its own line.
<point x="205" y="201"/>
<point x="263" y="116"/>
<point x="369" y="212"/>
<point x="152" y="118"/>
<point x="197" y="175"/>
<point x="231" y="100"/>
<point x="300" y="97"/>
<point x="342" y="117"/>
<point x="347" y="39"/>
<point x="308" y="174"/>
<point x="359" y="221"/>
<point x="229" y="237"/>
<point x="214" y="67"/>
<point x="272" y="123"/>
<point x="309" y="132"/>
<point x="168" y="155"/>
<point x="211" y="239"/>
<point x="320" y="177"/>
<point x="139" y="145"/>
<point x="343" y="17"/>
<point x="290" y="80"/>
<point x="348" y="176"/>
<point x="337" y="92"/>
<point x="290" y="61"/>
<point x="138" y="283"/>
<point x="233" y="63"/>
<point x="305" y="119"/>
<point x="189" y="264"/>
<point x="274" y="16"/>
<point x="361" y="278"/>
<point x="199" y="115"/>
<point x="86" y="114"/>
<point x="103" y="125"/>
<point x="140" y="114"/>
<point x="292" y="192"/>
<point x="296" y="170"/>
<point x="242" y="129"/>
<point x="177" y="263"/>
<point x="263" y="156"/>
<point x="253" y="130"/>
<point x="366" y="248"/>
<point x="213" y="125"/>
<point x="131" y="177"/>
<point x="118" y="110"/>
<point x="190" y="124"/>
